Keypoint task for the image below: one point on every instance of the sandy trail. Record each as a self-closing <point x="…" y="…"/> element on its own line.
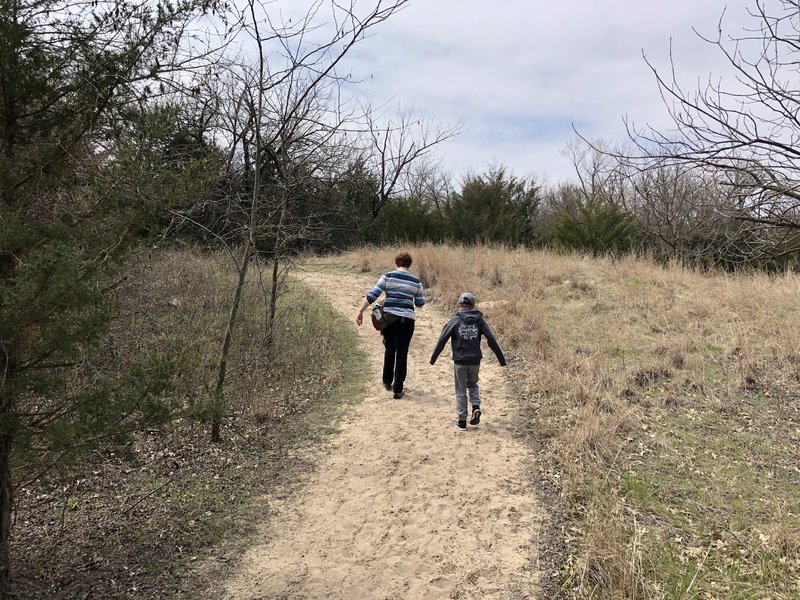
<point x="402" y="504"/>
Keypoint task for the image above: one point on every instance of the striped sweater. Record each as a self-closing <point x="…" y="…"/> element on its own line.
<point x="403" y="292"/>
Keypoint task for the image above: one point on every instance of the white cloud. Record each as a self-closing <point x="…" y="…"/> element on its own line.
<point x="518" y="74"/>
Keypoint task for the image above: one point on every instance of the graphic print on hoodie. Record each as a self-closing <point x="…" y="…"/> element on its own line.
<point x="465" y="330"/>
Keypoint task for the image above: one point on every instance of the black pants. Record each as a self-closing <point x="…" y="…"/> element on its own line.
<point x="397" y="339"/>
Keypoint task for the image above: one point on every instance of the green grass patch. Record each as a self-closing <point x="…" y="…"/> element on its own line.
<point x="719" y="487"/>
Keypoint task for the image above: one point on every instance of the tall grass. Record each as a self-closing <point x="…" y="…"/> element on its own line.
<point x="664" y="402"/>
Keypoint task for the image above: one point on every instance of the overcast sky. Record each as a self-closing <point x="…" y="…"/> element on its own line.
<point x="520" y="74"/>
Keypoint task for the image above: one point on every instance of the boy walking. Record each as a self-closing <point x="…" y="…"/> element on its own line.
<point x="465" y="330"/>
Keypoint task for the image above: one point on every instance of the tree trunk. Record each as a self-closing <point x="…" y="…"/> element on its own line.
<point x="218" y="399"/>
<point x="7" y="406"/>
<point x="8" y="377"/>
<point x="276" y="259"/>
<point x="6" y="506"/>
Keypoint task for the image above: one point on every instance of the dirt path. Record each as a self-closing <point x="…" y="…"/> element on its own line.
<point x="403" y="505"/>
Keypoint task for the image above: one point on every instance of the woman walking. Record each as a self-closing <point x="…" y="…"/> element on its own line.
<point x="403" y="292"/>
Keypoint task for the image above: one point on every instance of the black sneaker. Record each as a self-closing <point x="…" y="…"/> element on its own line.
<point x="462" y="425"/>
<point x="476" y="416"/>
<point x="398" y="395"/>
<point x="388" y="386"/>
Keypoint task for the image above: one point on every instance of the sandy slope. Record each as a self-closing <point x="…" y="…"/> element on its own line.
<point x="403" y="505"/>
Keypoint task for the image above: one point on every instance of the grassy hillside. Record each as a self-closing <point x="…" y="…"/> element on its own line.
<point x="663" y="404"/>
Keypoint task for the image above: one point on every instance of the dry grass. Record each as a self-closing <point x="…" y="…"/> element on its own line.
<point x="135" y="522"/>
<point x="665" y="406"/>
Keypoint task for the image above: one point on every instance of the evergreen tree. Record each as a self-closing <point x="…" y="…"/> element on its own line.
<point x="494" y="207"/>
<point x="409" y="219"/>
<point x="80" y="177"/>
<point x="597" y="227"/>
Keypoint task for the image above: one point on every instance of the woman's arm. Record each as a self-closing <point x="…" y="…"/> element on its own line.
<point x="360" y="313"/>
<point x="371" y="296"/>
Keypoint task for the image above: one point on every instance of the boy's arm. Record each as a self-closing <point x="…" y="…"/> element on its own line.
<point x="487" y="332"/>
<point x="447" y="331"/>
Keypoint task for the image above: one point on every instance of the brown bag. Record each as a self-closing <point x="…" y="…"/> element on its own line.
<point x="380" y="319"/>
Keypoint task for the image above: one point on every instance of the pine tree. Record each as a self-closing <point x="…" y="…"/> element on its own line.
<point x="495" y="207"/>
<point x="599" y="228"/>
<point x="74" y="82"/>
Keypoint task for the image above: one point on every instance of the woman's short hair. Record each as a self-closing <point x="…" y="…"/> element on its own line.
<point x="403" y="260"/>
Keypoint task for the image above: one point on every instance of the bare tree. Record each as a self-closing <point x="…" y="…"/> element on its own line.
<point x="294" y="116"/>
<point x="293" y="134"/>
<point x="394" y="146"/>
<point x="744" y="130"/>
<point x="673" y="209"/>
<point x="600" y="175"/>
<point x="430" y="183"/>
<point x="684" y="213"/>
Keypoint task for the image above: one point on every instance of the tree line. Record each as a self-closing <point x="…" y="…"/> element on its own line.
<point x="667" y="212"/>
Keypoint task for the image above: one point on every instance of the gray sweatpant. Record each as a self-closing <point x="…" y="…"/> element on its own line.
<point x="466" y="377"/>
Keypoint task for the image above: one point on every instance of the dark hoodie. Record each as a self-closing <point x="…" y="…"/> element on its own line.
<point x="465" y="330"/>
